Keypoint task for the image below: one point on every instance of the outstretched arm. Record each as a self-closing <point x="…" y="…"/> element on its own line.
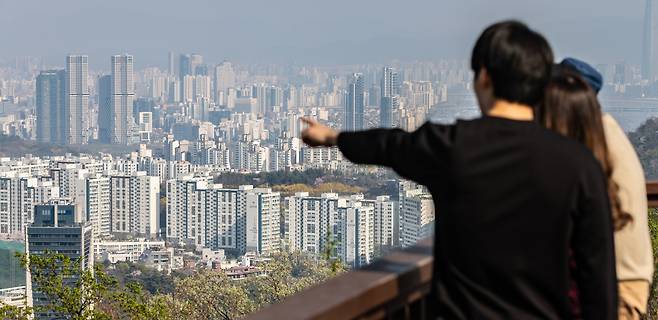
<point x="419" y="155"/>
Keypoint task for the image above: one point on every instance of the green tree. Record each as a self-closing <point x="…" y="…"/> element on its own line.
<point x="71" y="290"/>
<point x="208" y="295"/>
<point x="82" y="294"/>
<point x="14" y="313"/>
<point x="133" y="302"/>
<point x="289" y="272"/>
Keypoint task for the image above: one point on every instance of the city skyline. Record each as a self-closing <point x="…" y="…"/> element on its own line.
<point x="169" y="145"/>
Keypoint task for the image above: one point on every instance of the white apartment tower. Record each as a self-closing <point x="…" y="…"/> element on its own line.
<point x="97" y="205"/>
<point x="224" y="79"/>
<point x="416" y="216"/>
<point x="342" y="225"/>
<point x="135" y="204"/>
<point x="18" y="195"/>
<point x="384" y="224"/>
<point x="356" y="247"/>
<point x="207" y="215"/>
<point x="309" y="221"/>
<point x="262" y="221"/>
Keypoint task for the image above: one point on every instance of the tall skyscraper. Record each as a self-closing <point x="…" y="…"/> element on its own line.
<point x="187" y="85"/>
<point x="188" y="64"/>
<point x="354" y="103"/>
<point x="422" y="95"/>
<point x="105" y="109"/>
<point x="390" y="91"/>
<point x="171" y="66"/>
<point x="202" y="87"/>
<point x="224" y="78"/>
<point x="390" y="84"/>
<point x="50" y="103"/>
<point x="55" y="229"/>
<point x="196" y="65"/>
<point x="184" y="66"/>
<point x="650" y="42"/>
<point x="174" y="91"/>
<point x="77" y="99"/>
<point x="123" y="94"/>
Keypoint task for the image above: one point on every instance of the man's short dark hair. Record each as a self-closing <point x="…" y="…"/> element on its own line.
<point x="517" y="59"/>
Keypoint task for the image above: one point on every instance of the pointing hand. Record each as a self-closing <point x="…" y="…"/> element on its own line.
<point x="317" y="134"/>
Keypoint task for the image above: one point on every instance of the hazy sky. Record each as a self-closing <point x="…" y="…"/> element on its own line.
<point x="308" y="31"/>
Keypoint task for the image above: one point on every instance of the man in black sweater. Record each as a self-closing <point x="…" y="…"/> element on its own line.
<point x="515" y="202"/>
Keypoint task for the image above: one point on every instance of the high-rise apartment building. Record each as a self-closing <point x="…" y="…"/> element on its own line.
<point x="135" y="204"/>
<point x="384" y="224"/>
<point x="209" y="215"/>
<point x="201" y="213"/>
<point x="50" y="102"/>
<point x="123" y="94"/>
<point x="309" y="221"/>
<point x="70" y="179"/>
<point x="202" y="87"/>
<point x="145" y="126"/>
<point x="354" y="222"/>
<point x="354" y="103"/>
<point x="224" y="78"/>
<point x="196" y="65"/>
<point x="174" y="91"/>
<point x="188" y="65"/>
<point x="77" y="99"/>
<point x="18" y="195"/>
<point x="98" y="205"/>
<point x="55" y="229"/>
<point x="262" y="221"/>
<point x="184" y="68"/>
<point x="171" y="64"/>
<point x="105" y="111"/>
<point x="650" y="41"/>
<point x="423" y="95"/>
<point x="416" y="216"/>
<point x="342" y="225"/>
<point x="390" y="92"/>
<point x="187" y="92"/>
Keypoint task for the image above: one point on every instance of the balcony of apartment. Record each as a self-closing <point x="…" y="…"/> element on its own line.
<point x="394" y="287"/>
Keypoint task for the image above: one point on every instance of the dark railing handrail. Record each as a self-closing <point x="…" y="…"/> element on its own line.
<point x="358" y="292"/>
<point x="652" y="193"/>
<point x="394" y="287"/>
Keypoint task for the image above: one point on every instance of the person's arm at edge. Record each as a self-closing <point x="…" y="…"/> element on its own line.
<point x="414" y="155"/>
<point x="593" y="247"/>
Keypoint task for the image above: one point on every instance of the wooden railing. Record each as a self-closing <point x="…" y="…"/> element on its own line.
<point x="652" y="194"/>
<point x="394" y="287"/>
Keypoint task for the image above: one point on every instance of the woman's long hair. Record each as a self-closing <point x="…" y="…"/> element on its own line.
<point x="570" y="108"/>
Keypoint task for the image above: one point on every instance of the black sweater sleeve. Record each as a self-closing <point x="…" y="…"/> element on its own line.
<point x="419" y="155"/>
<point x="593" y="245"/>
